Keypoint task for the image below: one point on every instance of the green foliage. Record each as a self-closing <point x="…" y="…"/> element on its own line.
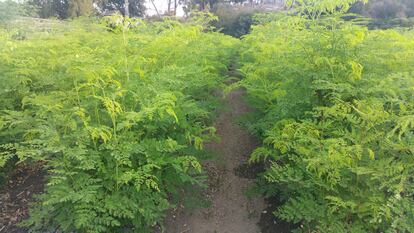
<point x="336" y="117"/>
<point x="117" y="116"/>
<point x="136" y="7"/>
<point x="204" y="19"/>
<point x="266" y="17"/>
<point x="316" y="8"/>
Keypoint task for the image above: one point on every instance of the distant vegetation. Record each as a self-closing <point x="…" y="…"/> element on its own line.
<point x="386" y="8"/>
<point x="387" y="13"/>
<point x="9" y="10"/>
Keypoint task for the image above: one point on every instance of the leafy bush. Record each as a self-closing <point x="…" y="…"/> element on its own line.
<point x="117" y="117"/>
<point x="336" y="103"/>
<point x="234" y="21"/>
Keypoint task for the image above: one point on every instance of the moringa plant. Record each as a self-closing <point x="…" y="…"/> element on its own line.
<point x="336" y="118"/>
<point x="116" y="116"/>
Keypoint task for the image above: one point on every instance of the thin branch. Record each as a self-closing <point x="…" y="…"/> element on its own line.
<point x="158" y="13"/>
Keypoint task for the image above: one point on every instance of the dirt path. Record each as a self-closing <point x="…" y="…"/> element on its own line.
<point x="230" y="211"/>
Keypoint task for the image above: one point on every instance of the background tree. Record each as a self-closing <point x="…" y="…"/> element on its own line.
<point x="74" y="8"/>
<point x="62" y="8"/>
<point x="78" y="8"/>
<point x="384" y="9"/>
<point x="136" y="7"/>
<point x="201" y="5"/>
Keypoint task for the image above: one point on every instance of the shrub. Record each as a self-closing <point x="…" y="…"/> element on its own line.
<point x="234" y="21"/>
<point x="337" y="122"/>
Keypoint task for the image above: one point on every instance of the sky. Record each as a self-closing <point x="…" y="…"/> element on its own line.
<point x="162" y="6"/>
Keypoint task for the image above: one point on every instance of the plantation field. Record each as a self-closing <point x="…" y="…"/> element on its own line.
<point x="306" y="124"/>
<point x="117" y="117"/>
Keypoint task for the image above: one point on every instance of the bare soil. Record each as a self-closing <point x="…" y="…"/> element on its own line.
<point x="268" y="221"/>
<point x="231" y="211"/>
<point x="15" y="196"/>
